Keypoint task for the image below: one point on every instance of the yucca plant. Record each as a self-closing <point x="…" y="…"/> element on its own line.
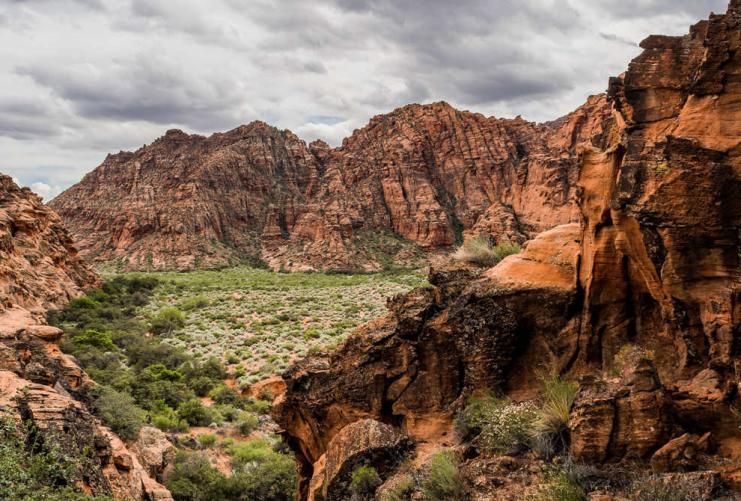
<point x="550" y="433"/>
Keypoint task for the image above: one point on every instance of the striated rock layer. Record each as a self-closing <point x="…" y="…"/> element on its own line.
<point x="39" y="385"/>
<point x="413" y="179"/>
<point x="652" y="264"/>
<point x="39" y="266"/>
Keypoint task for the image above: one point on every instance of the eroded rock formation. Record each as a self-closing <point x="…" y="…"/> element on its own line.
<point x="413" y="179"/>
<point x="39" y="385"/>
<point x="39" y="266"/>
<point x="652" y="263"/>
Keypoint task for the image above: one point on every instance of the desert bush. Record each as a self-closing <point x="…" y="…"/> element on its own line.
<point x="504" y="249"/>
<point x="201" y="385"/>
<point x="194" y="413"/>
<point x="35" y="470"/>
<point x="194" y="479"/>
<point x="207" y="439"/>
<point x="245" y="454"/>
<point x="119" y="411"/>
<point x="258" y="406"/>
<point x="222" y="394"/>
<point x="401" y="490"/>
<point x="194" y="303"/>
<point x="480" y="251"/>
<point x="364" y="480"/>
<point x="558" y="485"/>
<point x="497" y="424"/>
<point x="656" y="488"/>
<point x="94" y="339"/>
<point x="550" y="433"/>
<point x="167" y="321"/>
<point x="442" y="481"/>
<point x="247" y="423"/>
<point x="273" y="478"/>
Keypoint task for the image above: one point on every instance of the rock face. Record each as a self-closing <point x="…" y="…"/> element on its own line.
<point x="415" y="178"/>
<point x="39" y="267"/>
<point x="39" y="385"/>
<point x="652" y="263"/>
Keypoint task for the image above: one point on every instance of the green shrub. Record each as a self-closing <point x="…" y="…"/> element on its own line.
<point x="246" y="453"/>
<point x="194" y="303"/>
<point x="194" y="413"/>
<point x="170" y="423"/>
<point x="442" y="480"/>
<point x="272" y="479"/>
<point x="201" y="385"/>
<point x="94" y="339"/>
<point x="119" y="411"/>
<point x="497" y="423"/>
<point x="194" y="479"/>
<point x="167" y="321"/>
<point x="365" y="480"/>
<point x="259" y="406"/>
<point x="207" y="439"/>
<point x="504" y="249"/>
<point x="561" y="484"/>
<point x="172" y="393"/>
<point x="42" y="470"/>
<point x="222" y="394"/>
<point x="247" y="423"/>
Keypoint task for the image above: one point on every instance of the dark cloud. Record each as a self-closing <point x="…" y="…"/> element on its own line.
<point x="144" y="88"/>
<point x="81" y="77"/>
<point x="615" y="38"/>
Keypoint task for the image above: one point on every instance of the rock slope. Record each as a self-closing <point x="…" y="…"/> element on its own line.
<point x="39" y="266"/>
<point x="416" y="178"/>
<point x="651" y="269"/>
<point x="39" y="385"/>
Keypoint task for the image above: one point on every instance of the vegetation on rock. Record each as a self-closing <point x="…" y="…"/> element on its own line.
<point x="481" y="252"/>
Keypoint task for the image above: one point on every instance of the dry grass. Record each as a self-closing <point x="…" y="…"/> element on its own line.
<point x="481" y="252"/>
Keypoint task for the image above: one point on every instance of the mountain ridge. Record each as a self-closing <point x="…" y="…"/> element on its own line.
<point x="423" y="173"/>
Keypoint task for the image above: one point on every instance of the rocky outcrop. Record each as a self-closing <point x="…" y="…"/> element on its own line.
<point x="39" y="266"/>
<point x="362" y="443"/>
<point x="41" y="387"/>
<point x="416" y="178"/>
<point x="45" y="389"/>
<point x="653" y="263"/>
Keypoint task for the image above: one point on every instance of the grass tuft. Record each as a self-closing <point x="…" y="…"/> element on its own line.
<point x="481" y="252"/>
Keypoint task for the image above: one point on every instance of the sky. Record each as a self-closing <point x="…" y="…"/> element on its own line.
<point x="82" y="78"/>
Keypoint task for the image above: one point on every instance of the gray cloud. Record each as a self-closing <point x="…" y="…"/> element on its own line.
<point x="84" y="77"/>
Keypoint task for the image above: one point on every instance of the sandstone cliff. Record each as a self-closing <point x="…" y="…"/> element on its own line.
<point x="652" y="263"/>
<point x="39" y="267"/>
<point x="41" y="387"/>
<point x="424" y="174"/>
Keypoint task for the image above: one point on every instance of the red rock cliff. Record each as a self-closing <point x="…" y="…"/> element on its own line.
<point x="653" y="263"/>
<point x="39" y="385"/>
<point x="423" y="173"/>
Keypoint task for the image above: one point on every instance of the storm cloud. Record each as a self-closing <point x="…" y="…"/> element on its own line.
<point x="81" y="78"/>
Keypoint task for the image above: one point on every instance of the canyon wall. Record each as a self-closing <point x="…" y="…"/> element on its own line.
<point x="651" y="268"/>
<point x="411" y="181"/>
<point x="41" y="388"/>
